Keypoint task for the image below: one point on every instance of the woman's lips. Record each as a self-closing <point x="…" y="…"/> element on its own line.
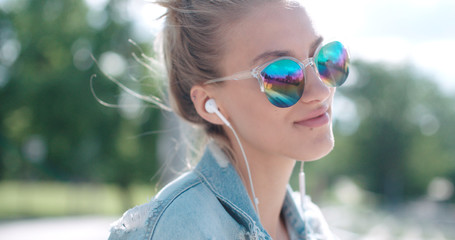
<point x="317" y="118"/>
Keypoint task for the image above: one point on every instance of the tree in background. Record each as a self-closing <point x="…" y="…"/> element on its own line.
<point x="51" y="127"/>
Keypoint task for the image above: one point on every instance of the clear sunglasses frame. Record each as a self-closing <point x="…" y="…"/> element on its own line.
<point x="256" y="72"/>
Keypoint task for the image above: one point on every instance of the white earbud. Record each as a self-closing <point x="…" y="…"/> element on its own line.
<point x="211" y="107"/>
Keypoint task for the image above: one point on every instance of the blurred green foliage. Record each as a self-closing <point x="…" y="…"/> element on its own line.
<point x="45" y="199"/>
<point x="51" y="126"/>
<point x="394" y="128"/>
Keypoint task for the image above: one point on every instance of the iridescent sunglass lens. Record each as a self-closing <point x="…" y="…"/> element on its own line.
<point x="332" y="62"/>
<point x="283" y="82"/>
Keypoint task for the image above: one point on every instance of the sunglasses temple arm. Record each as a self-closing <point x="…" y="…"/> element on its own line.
<point x="237" y="76"/>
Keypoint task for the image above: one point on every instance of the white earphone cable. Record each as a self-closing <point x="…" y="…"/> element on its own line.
<point x="302" y="186"/>
<point x="210" y="107"/>
<point x="255" y="199"/>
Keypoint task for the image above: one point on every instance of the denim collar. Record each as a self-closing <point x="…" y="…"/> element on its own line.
<point x="222" y="178"/>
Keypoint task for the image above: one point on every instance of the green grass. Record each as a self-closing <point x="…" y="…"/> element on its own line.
<point x="43" y="199"/>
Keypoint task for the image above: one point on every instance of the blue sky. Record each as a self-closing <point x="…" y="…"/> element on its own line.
<point x="421" y="32"/>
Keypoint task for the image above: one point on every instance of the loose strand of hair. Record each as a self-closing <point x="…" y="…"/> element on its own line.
<point x="153" y="99"/>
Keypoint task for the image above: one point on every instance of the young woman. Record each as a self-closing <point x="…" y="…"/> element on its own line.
<point x="259" y="80"/>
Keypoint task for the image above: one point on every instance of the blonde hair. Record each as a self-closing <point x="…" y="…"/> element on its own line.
<point x="193" y="47"/>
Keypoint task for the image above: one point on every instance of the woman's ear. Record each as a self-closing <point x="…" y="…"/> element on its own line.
<point x="199" y="96"/>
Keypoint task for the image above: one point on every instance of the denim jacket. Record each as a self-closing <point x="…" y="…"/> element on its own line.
<point x="209" y="202"/>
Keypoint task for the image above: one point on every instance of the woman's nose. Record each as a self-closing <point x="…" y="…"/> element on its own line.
<point x="315" y="90"/>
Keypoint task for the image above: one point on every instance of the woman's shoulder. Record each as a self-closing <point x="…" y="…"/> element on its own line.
<point x="132" y="225"/>
<point x="181" y="210"/>
<point x="138" y="222"/>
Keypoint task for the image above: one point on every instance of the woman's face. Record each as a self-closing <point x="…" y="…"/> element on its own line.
<point x="302" y="131"/>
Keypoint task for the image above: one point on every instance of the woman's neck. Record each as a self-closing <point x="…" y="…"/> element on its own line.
<point x="270" y="176"/>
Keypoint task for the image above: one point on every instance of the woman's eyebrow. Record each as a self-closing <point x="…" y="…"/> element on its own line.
<point x="281" y="53"/>
<point x="316" y="44"/>
<point x="268" y="54"/>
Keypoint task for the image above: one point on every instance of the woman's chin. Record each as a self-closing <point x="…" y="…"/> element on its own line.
<point x="316" y="153"/>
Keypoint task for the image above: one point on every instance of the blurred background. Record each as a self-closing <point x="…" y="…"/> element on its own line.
<point x="74" y="155"/>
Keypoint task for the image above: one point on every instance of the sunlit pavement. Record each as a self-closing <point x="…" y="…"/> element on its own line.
<point x="68" y="228"/>
<point x="420" y="220"/>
